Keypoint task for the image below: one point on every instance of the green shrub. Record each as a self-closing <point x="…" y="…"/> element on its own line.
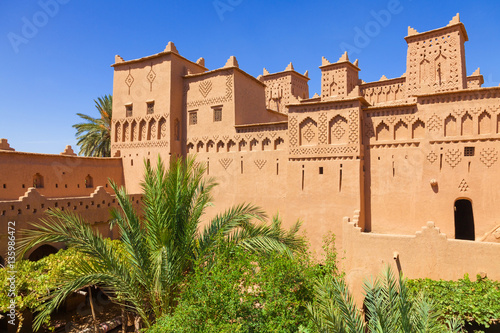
<point x="243" y="292"/>
<point x="34" y="280"/>
<point x="471" y="301"/>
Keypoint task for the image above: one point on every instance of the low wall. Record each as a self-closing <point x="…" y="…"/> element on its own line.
<point x="31" y="207"/>
<point x="427" y="254"/>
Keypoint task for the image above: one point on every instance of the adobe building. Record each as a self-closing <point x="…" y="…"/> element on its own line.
<point x="390" y="155"/>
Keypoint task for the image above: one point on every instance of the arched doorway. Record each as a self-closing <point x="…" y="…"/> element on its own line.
<point x="42" y="252"/>
<point x="464" y="220"/>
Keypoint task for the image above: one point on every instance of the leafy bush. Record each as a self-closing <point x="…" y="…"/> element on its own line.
<point x="244" y="292"/>
<point x="470" y="301"/>
<point x="34" y="280"/>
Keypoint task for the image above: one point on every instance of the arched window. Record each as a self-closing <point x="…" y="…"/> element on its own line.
<point x="38" y="181"/>
<point x="89" y="181"/>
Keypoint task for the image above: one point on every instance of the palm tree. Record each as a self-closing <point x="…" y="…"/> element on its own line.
<point x="94" y="136"/>
<point x="158" y="246"/>
<point x="387" y="304"/>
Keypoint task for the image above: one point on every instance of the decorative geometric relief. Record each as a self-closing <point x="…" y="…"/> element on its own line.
<point x="293" y="131"/>
<point x="214" y="100"/>
<point x="353" y="126"/>
<point x="229" y="87"/>
<point x="434" y="123"/>
<point x="391" y="119"/>
<point x="142" y="130"/>
<point x="260" y="163"/>
<point x="151" y="77"/>
<point x="322" y="129"/>
<point x="463" y="186"/>
<point x="146" y="144"/>
<point x="205" y="87"/>
<point x="309" y="133"/>
<point x="338" y="132"/>
<point x="225" y="162"/>
<point x="432" y="157"/>
<point x="342" y="150"/>
<point x="118" y="130"/>
<point x="453" y="157"/>
<point x="369" y="131"/>
<point x="129" y="80"/>
<point x="162" y="133"/>
<point x="489" y="156"/>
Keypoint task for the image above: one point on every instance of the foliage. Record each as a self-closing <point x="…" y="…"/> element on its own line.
<point x="160" y="244"/>
<point x="94" y="135"/>
<point x="34" y="280"/>
<point x="470" y="301"/>
<point x="247" y="292"/>
<point x="388" y="306"/>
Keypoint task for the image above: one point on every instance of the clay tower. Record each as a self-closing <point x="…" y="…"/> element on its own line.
<point x="436" y="59"/>
<point x="338" y="79"/>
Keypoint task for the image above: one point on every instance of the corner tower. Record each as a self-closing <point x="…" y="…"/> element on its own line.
<point x="284" y="88"/>
<point x="338" y="79"/>
<point x="436" y="59"/>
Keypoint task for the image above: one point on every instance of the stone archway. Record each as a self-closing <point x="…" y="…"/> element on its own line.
<point x="42" y="252"/>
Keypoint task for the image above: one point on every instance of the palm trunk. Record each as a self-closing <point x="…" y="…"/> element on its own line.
<point x="124" y="320"/>
<point x="96" y="330"/>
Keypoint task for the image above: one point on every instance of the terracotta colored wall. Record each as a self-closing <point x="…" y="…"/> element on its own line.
<point x="63" y="176"/>
<point x="403" y="157"/>
<point x="31" y="207"/>
<point x="426" y="253"/>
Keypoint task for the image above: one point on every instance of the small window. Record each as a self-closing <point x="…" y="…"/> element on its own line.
<point x="151" y="107"/>
<point x="128" y="110"/>
<point x="320" y="170"/>
<point x="193" y="117"/>
<point x="218" y="114"/>
<point x="89" y="181"/>
<point x="469" y="151"/>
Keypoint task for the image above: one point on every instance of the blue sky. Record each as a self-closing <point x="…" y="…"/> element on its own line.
<point x="58" y="67"/>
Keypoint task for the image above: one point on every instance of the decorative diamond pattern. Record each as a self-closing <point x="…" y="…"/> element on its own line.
<point x="432" y="157"/>
<point x="293" y="131"/>
<point x="151" y="75"/>
<point x="338" y="132"/>
<point x="129" y="80"/>
<point x="322" y="137"/>
<point x="309" y="133"/>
